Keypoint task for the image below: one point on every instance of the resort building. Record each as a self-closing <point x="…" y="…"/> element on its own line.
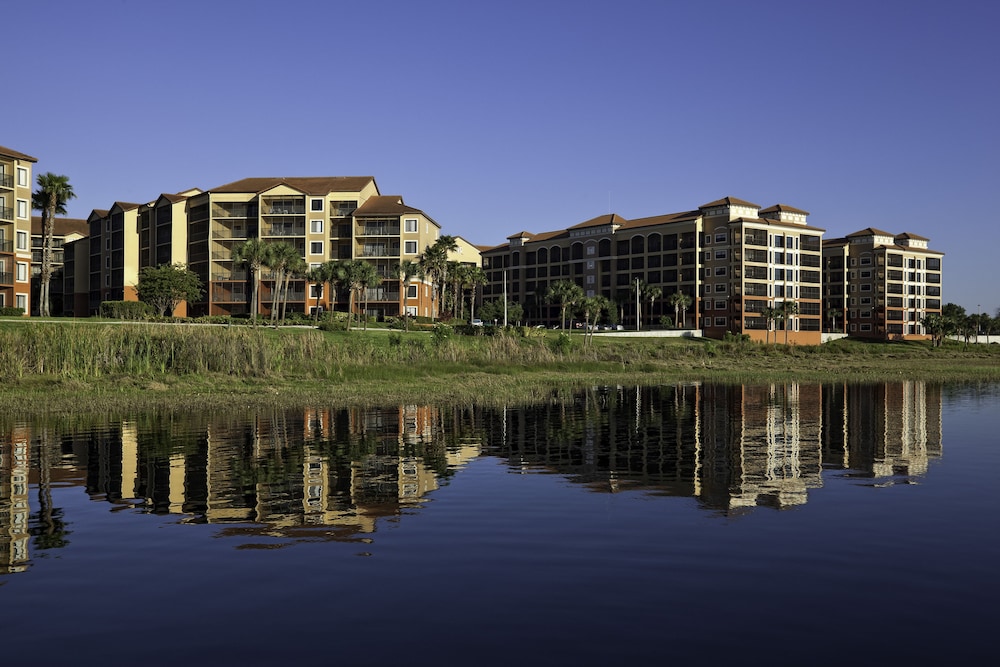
<point x="64" y="230"/>
<point x="15" y="228"/>
<point x="323" y="218"/>
<point x="737" y="263"/>
<point x="114" y="254"/>
<point x="881" y="285"/>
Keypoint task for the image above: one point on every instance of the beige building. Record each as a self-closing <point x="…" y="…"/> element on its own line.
<point x="114" y="254"/>
<point x="15" y="229"/>
<point x="324" y="218"/>
<point x="64" y="230"/>
<point x="881" y="285"/>
<point x="731" y="258"/>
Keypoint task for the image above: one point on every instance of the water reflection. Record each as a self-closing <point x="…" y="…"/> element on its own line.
<point x="334" y="473"/>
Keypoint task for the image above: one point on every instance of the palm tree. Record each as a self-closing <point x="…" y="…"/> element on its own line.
<point x="370" y="278"/>
<point x="359" y="275"/>
<point x="591" y="307"/>
<point x="50" y="198"/>
<point x="405" y="272"/>
<point x="681" y="302"/>
<point x="336" y="276"/>
<point x="833" y="314"/>
<point x="318" y="277"/>
<point x="788" y="308"/>
<point x="567" y="294"/>
<point x="769" y="314"/>
<point x="279" y="259"/>
<point x="296" y="269"/>
<point x="434" y="263"/>
<point x="255" y="254"/>
<point x="651" y="293"/>
<point x="475" y="277"/>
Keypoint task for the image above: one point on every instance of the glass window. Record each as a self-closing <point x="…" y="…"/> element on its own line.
<point x="315" y="204"/>
<point x="316" y="226"/>
<point x="22" y="240"/>
<point x="410" y="224"/>
<point x="22" y="301"/>
<point x="22" y="208"/>
<point x="411" y="291"/>
<point x="22" y="177"/>
<point x="22" y="272"/>
<point x="410" y="247"/>
<point x="315" y="247"/>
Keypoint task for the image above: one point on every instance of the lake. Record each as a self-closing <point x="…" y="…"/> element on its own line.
<point x="771" y="524"/>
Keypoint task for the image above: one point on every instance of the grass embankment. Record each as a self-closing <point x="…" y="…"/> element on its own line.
<point x="73" y="367"/>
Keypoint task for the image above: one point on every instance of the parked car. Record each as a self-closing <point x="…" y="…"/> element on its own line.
<point x="476" y="323"/>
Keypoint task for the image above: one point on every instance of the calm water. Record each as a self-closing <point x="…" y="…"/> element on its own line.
<point x="780" y="524"/>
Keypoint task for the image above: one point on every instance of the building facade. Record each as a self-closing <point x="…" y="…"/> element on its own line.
<point x="731" y="258"/>
<point x="881" y="285"/>
<point x="15" y="229"/>
<point x="64" y="230"/>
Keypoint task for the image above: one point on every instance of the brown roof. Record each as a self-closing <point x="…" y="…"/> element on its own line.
<point x="10" y="152"/>
<point x="126" y="206"/>
<point x="385" y="205"/>
<point x="61" y="226"/>
<point x="870" y="231"/>
<point x="601" y="221"/>
<point x="915" y="237"/>
<point x="173" y="199"/>
<point x="521" y="235"/>
<point x="779" y="223"/>
<point x="782" y="208"/>
<point x="99" y="212"/>
<point x="662" y="219"/>
<point x="729" y="201"/>
<point x="310" y="185"/>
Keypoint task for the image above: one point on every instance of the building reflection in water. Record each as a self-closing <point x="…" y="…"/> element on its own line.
<point x="335" y="473"/>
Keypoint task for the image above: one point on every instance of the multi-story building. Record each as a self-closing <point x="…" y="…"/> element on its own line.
<point x="163" y="234"/>
<point x="15" y="228"/>
<point x="881" y="285"/>
<point x="734" y="261"/>
<point x="64" y="230"/>
<point x="114" y="254"/>
<point x="324" y="218"/>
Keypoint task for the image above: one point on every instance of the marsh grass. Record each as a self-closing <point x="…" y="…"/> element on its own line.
<point x="59" y="365"/>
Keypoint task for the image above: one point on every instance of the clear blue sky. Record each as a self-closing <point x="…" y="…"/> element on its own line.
<point x="496" y="117"/>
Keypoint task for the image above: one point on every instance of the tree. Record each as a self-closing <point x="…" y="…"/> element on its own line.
<point x="833" y="314"/>
<point x="295" y="270"/>
<point x="650" y="293"/>
<point x="681" y="302"/>
<point x="938" y="326"/>
<point x="359" y="275"/>
<point x="493" y="311"/>
<point x="50" y="198"/>
<point x="566" y="294"/>
<point x="318" y="277"/>
<point x="434" y="262"/>
<point x="280" y="259"/>
<point x="770" y="314"/>
<point x="788" y="308"/>
<point x="165" y="286"/>
<point x="475" y="277"/>
<point x="254" y="253"/>
<point x="591" y="308"/>
<point x="405" y="272"/>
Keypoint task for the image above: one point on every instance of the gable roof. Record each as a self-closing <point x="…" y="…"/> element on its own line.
<point x="310" y="185"/>
<point x="10" y="152"/>
<point x="870" y="231"/>
<point x="601" y="221"/>
<point x="386" y="205"/>
<point x="729" y="201"/>
<point x="915" y="237"/>
<point x="782" y="208"/>
<point x="61" y="226"/>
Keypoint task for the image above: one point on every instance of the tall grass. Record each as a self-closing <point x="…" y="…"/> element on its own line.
<point x="98" y="351"/>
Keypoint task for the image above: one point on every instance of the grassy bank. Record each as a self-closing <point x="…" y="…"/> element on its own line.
<point x="59" y="367"/>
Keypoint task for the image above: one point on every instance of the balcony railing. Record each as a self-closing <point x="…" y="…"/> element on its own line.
<point x="6" y="278"/>
<point x="751" y="239"/>
<point x="380" y="251"/>
<point x="378" y="230"/>
<point x="6" y="180"/>
<point x="6" y="246"/>
<point x="284" y="209"/>
<point x="6" y="213"/>
<point x="223" y="232"/>
<point x="283" y="230"/>
<point x="755" y="289"/>
<point x="808" y="292"/>
<point x="756" y="256"/>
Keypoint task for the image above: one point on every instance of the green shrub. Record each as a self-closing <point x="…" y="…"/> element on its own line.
<point x="441" y="333"/>
<point x="126" y="310"/>
<point x="562" y="344"/>
<point x="395" y="339"/>
<point x="11" y="311"/>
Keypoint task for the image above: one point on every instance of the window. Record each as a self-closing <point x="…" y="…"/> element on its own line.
<point x="315" y="247"/>
<point x="107" y="262"/>
<point x="720" y="237"/>
<point x="22" y="177"/>
<point x="410" y="225"/>
<point x="411" y="291"/>
<point x="590" y="280"/>
<point x="315" y="291"/>
<point x="410" y="247"/>
<point x="720" y="305"/>
<point x="720" y="287"/>
<point x="720" y="321"/>
<point x="866" y="287"/>
<point x="720" y="270"/>
<point x="591" y="250"/>
<point x="590" y="265"/>
<point x="720" y="254"/>
<point x="779" y="274"/>
<point x="22" y="208"/>
<point x="22" y="240"/>
<point x="866" y="274"/>
<point x="315" y="204"/>
<point x="22" y="272"/>
<point x="316" y="226"/>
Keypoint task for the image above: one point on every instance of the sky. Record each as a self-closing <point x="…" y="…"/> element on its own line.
<point x="498" y="117"/>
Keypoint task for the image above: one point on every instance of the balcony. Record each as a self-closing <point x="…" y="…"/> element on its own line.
<point x="283" y="229"/>
<point x="7" y="181"/>
<point x="810" y="260"/>
<point x="755" y="289"/>
<point x="223" y="232"/>
<point x="379" y="251"/>
<point x="378" y="230"/>
<point x="6" y="278"/>
<point x="7" y="246"/>
<point x="759" y="256"/>
<point x="751" y="239"/>
<point x="809" y="293"/>
<point x="224" y="210"/>
<point x="283" y="208"/>
<point x="6" y="213"/>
